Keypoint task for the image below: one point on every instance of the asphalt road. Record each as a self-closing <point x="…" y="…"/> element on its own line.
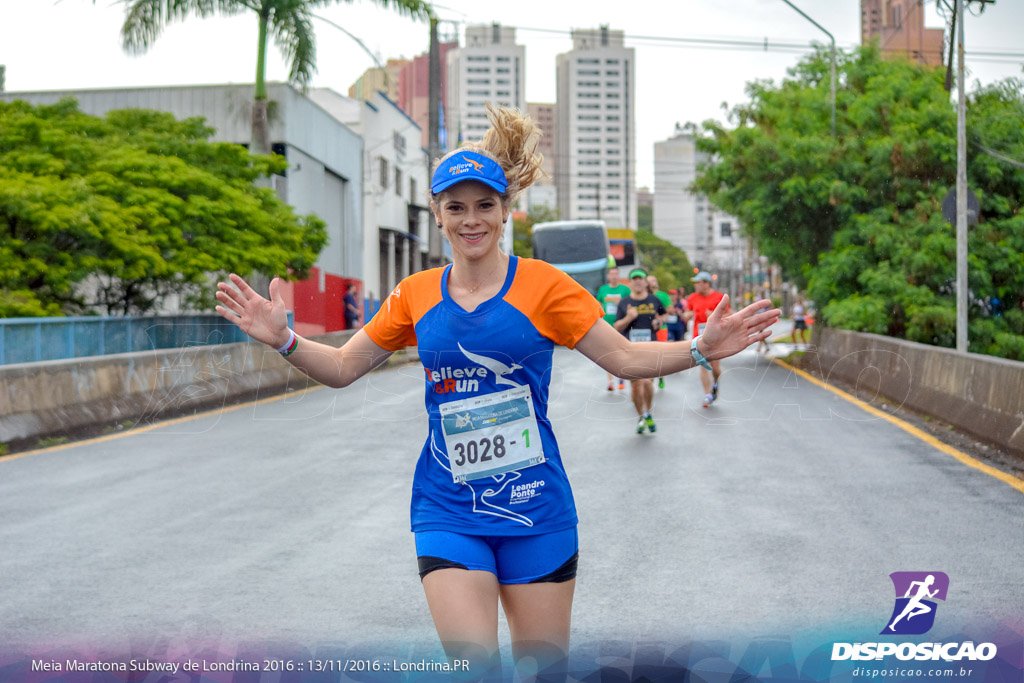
<point x="779" y="509"/>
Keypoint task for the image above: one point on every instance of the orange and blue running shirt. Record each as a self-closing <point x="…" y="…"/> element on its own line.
<point x="506" y="343"/>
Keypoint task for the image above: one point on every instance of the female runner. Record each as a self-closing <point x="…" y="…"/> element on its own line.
<point x="492" y="511"/>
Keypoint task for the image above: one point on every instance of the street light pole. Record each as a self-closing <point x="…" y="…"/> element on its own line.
<point x="830" y="37"/>
<point x="961" y="187"/>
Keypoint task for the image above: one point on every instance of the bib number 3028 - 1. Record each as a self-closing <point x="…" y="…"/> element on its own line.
<point x="491" y="434"/>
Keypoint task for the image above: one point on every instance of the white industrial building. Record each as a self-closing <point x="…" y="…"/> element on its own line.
<point x="395" y="188"/>
<point x="358" y="165"/>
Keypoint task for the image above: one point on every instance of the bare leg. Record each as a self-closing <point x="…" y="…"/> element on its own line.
<point x="647" y="394"/>
<point x="464" y="606"/>
<point x="637" y="395"/>
<point x="539" y="616"/>
<point x="705" y="379"/>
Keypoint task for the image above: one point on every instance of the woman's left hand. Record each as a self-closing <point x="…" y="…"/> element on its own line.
<point x="728" y="334"/>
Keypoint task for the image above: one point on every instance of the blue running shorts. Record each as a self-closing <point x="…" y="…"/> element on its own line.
<point x="543" y="558"/>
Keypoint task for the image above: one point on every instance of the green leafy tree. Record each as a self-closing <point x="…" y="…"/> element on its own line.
<point x="645" y="219"/>
<point x="858" y="216"/>
<point x="522" y="236"/>
<point x="664" y="260"/>
<point x="290" y="22"/>
<point x="114" y="215"/>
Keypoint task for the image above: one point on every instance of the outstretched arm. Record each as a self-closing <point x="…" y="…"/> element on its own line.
<point x="265" y="320"/>
<point x="724" y="336"/>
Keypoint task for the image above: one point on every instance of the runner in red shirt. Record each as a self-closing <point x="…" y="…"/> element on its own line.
<point x="702" y="302"/>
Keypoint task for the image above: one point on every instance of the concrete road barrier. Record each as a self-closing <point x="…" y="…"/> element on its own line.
<point x="80" y="396"/>
<point x="980" y="395"/>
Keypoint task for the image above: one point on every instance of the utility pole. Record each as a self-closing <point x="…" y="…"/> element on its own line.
<point x="961" y="187"/>
<point x="830" y="37"/>
<point x="434" y="121"/>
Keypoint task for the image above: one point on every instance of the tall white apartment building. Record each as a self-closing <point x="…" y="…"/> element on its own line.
<point x="490" y="67"/>
<point x="596" y="123"/>
<point x="712" y="240"/>
<point x="681" y="216"/>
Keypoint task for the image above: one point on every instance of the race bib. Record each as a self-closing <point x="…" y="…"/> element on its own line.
<point x="673" y="319"/>
<point x="639" y="335"/>
<point x="611" y="304"/>
<point x="491" y="434"/>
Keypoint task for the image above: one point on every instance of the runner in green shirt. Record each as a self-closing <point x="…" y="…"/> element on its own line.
<point x="610" y="295"/>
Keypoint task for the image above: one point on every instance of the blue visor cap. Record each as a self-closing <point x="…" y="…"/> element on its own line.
<point x="468" y="166"/>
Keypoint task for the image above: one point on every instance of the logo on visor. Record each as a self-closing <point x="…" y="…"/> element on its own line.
<point x="914" y="612"/>
<point x="466" y="167"/>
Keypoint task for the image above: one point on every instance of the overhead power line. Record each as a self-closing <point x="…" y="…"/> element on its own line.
<point x="764" y="44"/>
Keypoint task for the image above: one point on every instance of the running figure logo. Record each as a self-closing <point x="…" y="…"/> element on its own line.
<point x="914" y="612"/>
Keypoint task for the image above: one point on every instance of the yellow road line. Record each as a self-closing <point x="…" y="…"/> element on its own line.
<point x="164" y="423"/>
<point x="1013" y="481"/>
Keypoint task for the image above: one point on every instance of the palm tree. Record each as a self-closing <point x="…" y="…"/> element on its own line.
<point x="289" y="21"/>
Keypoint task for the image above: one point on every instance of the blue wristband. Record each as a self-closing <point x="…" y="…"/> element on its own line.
<point x="696" y="355"/>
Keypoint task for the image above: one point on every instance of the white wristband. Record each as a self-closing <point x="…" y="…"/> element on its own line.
<point x="287" y="349"/>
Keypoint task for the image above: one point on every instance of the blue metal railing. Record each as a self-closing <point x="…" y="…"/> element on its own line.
<point x="30" y="340"/>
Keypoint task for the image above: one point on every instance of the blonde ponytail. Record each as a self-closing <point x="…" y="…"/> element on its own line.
<point x="512" y="142"/>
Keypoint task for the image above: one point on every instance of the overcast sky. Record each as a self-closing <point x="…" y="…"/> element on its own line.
<point x="50" y="45"/>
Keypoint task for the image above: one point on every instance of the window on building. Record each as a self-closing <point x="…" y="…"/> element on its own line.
<point x="726" y="229"/>
<point x="478" y="58"/>
<point x="613" y="84"/>
<point x="384" y="172"/>
<point x="611" y="61"/>
<point x="502" y="70"/>
<point x="501" y="59"/>
<point x="479" y="70"/>
<point x="413" y="197"/>
<point x="398" y="181"/>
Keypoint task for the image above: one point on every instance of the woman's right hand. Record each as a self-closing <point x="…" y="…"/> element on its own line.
<point x="264" y="320"/>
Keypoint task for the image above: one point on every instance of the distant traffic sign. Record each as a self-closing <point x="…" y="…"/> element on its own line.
<point x="949" y="208"/>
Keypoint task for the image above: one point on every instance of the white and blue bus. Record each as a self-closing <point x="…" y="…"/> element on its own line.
<point x="579" y="248"/>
